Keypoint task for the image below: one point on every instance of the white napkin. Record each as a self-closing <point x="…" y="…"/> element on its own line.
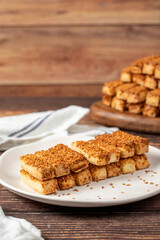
<point x="21" y="129"/>
<point x="12" y="228"/>
<point x="17" y="130"/>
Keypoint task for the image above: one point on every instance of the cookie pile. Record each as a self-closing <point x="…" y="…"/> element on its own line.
<point x="106" y="156"/>
<point x="138" y="89"/>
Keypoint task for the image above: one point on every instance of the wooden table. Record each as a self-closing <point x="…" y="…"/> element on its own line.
<point x="140" y="220"/>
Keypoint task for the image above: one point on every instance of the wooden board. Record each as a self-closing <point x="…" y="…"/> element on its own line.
<point x="110" y="117"/>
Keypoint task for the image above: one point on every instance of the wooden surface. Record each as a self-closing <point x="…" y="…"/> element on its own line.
<point x="70" y="42"/>
<point x="65" y="12"/>
<point x="140" y="220"/>
<point x="130" y="121"/>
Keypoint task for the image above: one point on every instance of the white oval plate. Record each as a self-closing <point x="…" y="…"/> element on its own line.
<point x="112" y="191"/>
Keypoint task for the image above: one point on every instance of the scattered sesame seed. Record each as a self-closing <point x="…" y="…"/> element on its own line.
<point x="76" y="190"/>
<point x="87" y="185"/>
<point x="156" y="185"/>
<point x="111" y="184"/>
<point x="151" y="183"/>
<point x="155" y="172"/>
<point x="102" y="187"/>
<point x="123" y="184"/>
<point x="128" y="185"/>
<point x="91" y="188"/>
<point x="63" y="194"/>
<point x="146" y="182"/>
<point x="148" y="190"/>
<point x="122" y="192"/>
<point x="129" y="180"/>
<point x="100" y="198"/>
<point x="152" y="175"/>
<point x="114" y="198"/>
<point x="73" y="198"/>
<point x="68" y="194"/>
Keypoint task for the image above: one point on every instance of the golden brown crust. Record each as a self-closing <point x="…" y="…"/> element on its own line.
<point x="109" y="88"/>
<point x="98" y="172"/>
<point x="141" y="162"/>
<point x="141" y="144"/>
<point x="43" y="187"/>
<point x="83" y="177"/>
<point x="135" y="107"/>
<point x="139" y="79"/>
<point x="127" y="165"/>
<point x="150" y="111"/>
<point x="93" y="150"/>
<point x="118" y="104"/>
<point x="107" y="100"/>
<point x="54" y="162"/>
<point x="66" y="182"/>
<point x="113" y="170"/>
<point x="153" y="98"/>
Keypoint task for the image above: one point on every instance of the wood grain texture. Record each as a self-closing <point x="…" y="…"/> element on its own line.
<point x="55" y="90"/>
<point x="111" y="117"/>
<point x="62" y="12"/>
<point x="139" y="220"/>
<point x="100" y="226"/>
<point x="72" y="55"/>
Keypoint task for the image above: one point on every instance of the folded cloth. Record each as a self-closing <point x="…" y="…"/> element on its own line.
<point x="12" y="228"/>
<point x="22" y="129"/>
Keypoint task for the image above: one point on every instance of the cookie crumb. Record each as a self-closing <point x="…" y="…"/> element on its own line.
<point x="68" y="194"/>
<point x="75" y="190"/>
<point x="102" y="187"/>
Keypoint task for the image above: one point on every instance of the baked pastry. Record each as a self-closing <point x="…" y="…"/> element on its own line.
<point x="150" y="111"/>
<point x="109" y="88"/>
<point x="153" y="98"/>
<point x="48" y="164"/>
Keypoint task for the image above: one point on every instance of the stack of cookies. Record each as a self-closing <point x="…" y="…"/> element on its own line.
<point x="57" y="168"/>
<point x="138" y="89"/>
<point x="106" y="156"/>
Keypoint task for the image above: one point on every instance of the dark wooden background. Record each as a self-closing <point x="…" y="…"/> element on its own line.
<point x="54" y="53"/>
<point x="57" y="47"/>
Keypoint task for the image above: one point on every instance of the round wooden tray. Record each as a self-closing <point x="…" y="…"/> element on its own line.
<point x="111" y="117"/>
